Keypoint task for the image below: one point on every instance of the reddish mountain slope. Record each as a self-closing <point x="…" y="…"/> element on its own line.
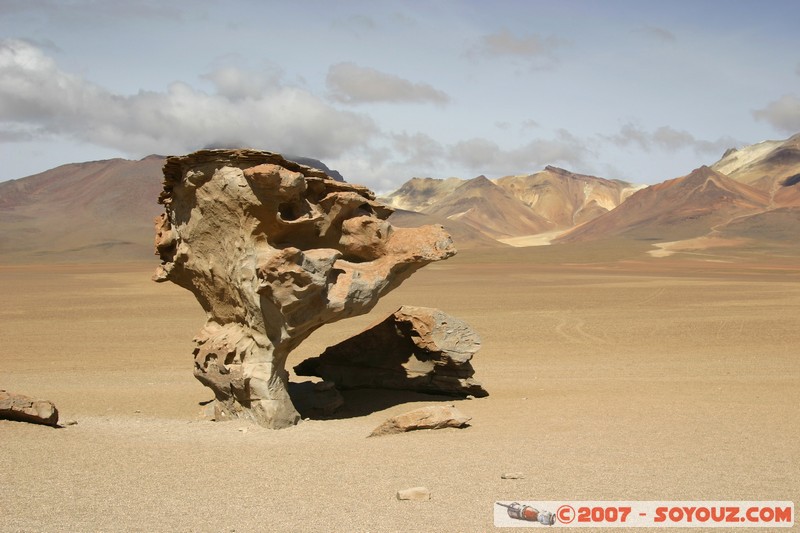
<point x="97" y="210"/>
<point x="677" y="209"/>
<point x="481" y="204"/>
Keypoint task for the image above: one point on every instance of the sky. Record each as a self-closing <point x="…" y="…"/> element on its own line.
<point x="383" y="91"/>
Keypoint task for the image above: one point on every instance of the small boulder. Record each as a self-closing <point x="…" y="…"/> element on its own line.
<point x="432" y="417"/>
<point x="513" y="475"/>
<point x="26" y="409"/>
<point x="415" y="494"/>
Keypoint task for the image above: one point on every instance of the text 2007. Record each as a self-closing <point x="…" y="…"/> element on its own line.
<point x="603" y="514"/>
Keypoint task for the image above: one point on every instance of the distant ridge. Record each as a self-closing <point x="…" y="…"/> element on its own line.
<point x="676" y="209"/>
<point x="100" y="210"/>
<point x="567" y="199"/>
<point x="766" y="165"/>
<point x="103" y="210"/>
<point x="490" y="209"/>
<point x="95" y="211"/>
<point x="513" y="207"/>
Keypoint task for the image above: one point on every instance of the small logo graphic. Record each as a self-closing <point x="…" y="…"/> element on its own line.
<point x="527" y="513"/>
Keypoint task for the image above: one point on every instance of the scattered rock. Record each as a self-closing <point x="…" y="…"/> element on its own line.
<point x="273" y="250"/>
<point x="415" y="348"/>
<point x="70" y="422"/>
<point x="26" y="409"/>
<point x="415" y="494"/>
<point x="432" y="417"/>
<point x="513" y="475"/>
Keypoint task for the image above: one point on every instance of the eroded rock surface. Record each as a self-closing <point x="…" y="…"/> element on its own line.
<point x="415" y="348"/>
<point x="272" y="250"/>
<point x="432" y="417"/>
<point x="25" y="409"/>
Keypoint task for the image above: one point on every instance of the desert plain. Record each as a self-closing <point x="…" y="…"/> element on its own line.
<point x="639" y="378"/>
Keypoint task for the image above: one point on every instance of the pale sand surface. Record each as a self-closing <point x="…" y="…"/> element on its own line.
<point x="607" y="383"/>
<point x="540" y="239"/>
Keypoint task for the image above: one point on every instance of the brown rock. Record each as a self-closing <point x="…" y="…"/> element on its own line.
<point x="273" y="250"/>
<point x="432" y="417"/>
<point x="26" y="409"/>
<point x="415" y="348"/>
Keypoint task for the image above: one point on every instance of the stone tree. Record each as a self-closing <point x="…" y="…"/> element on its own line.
<point x="273" y="250"/>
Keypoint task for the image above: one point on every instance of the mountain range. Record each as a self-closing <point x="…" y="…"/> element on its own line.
<point x="103" y="210"/>
<point x="751" y="195"/>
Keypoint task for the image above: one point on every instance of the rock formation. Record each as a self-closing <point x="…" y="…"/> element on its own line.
<point x="272" y="250"/>
<point x="25" y="409"/>
<point x="415" y="348"/>
<point x="431" y="417"/>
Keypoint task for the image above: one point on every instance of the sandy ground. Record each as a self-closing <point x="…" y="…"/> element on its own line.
<point x="635" y="381"/>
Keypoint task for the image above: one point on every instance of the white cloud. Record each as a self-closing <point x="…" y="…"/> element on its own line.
<point x="783" y="114"/>
<point x="353" y="84"/>
<point x="237" y="84"/>
<point x="418" y="148"/>
<point x="37" y="98"/>
<point x="668" y="139"/>
<point x="487" y="157"/>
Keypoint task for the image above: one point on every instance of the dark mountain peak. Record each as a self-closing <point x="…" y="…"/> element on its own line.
<point x="558" y="170"/>
<point x="316" y="163"/>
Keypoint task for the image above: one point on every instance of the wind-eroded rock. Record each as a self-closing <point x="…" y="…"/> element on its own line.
<point x="414" y="348"/>
<point x="26" y="409"/>
<point x="431" y="417"/>
<point x="273" y="250"/>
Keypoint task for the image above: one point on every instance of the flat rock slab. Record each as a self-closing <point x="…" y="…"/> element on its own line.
<point x="433" y="417"/>
<point x="415" y="348"/>
<point x="26" y="409"/>
<point x="418" y="494"/>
